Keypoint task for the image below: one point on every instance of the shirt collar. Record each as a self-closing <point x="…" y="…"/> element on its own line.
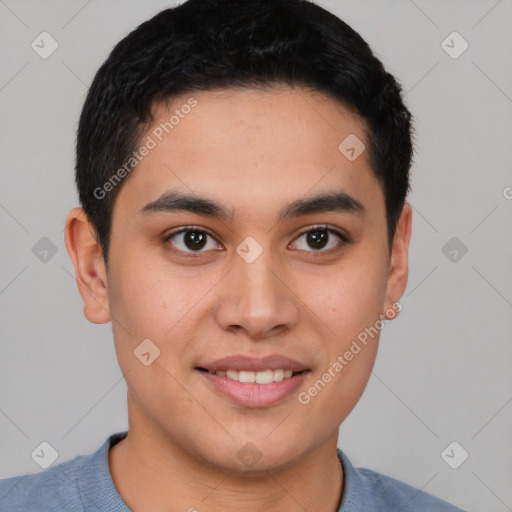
<point x="97" y="487"/>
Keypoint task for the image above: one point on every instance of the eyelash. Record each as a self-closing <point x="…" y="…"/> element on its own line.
<point x="320" y="227"/>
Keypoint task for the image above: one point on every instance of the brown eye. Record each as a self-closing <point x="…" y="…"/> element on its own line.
<point x="194" y="240"/>
<point x="191" y="240"/>
<point x="319" y="238"/>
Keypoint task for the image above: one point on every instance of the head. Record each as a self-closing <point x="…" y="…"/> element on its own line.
<point x="273" y="134"/>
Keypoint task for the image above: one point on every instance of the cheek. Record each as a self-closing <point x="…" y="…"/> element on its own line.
<point x="139" y="311"/>
<point x="349" y="300"/>
<point x="356" y="298"/>
<point x="350" y="305"/>
<point x="154" y="302"/>
<point x="147" y="305"/>
<point x="146" y="300"/>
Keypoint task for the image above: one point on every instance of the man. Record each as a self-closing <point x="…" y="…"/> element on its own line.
<point x="242" y="169"/>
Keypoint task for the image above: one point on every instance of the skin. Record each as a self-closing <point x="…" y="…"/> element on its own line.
<point x="254" y="151"/>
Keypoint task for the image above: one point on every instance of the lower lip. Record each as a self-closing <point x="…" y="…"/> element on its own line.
<point x="250" y="394"/>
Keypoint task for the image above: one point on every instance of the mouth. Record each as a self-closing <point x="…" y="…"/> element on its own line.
<point x="253" y="389"/>
<point x="258" y="377"/>
<point x="253" y="382"/>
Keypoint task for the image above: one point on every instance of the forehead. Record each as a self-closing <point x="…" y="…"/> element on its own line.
<point x="253" y="146"/>
<point x="288" y="118"/>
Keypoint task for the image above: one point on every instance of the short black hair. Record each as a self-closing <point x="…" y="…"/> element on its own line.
<point x="207" y="44"/>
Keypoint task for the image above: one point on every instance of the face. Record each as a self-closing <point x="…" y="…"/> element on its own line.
<point x="280" y="262"/>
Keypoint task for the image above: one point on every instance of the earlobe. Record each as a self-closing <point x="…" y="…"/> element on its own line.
<point x="87" y="257"/>
<point x="399" y="266"/>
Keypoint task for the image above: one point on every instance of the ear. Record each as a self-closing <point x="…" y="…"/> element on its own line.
<point x="398" y="270"/>
<point x="90" y="271"/>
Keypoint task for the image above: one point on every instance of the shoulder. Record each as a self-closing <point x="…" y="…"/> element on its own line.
<point x="382" y="493"/>
<point x="53" y="487"/>
<point x="60" y="487"/>
<point x="394" y="492"/>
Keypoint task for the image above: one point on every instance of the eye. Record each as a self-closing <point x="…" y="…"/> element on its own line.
<point x="318" y="239"/>
<point x="190" y="240"/>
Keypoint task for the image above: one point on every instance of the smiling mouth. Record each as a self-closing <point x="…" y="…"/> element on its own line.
<point x="260" y="377"/>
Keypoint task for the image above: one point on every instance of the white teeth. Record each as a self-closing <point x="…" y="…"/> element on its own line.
<point x="232" y="374"/>
<point x="263" y="377"/>
<point x="278" y="375"/>
<point x="246" y="376"/>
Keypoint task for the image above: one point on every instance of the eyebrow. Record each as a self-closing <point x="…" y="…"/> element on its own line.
<point x="173" y="201"/>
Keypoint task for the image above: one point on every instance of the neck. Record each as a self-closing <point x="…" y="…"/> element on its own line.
<point x="153" y="473"/>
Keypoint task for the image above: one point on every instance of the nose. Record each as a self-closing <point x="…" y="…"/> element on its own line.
<point x="257" y="299"/>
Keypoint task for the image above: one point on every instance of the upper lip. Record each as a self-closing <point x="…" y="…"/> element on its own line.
<point x="240" y="362"/>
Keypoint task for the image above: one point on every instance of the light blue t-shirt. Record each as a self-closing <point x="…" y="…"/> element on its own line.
<point x="84" y="484"/>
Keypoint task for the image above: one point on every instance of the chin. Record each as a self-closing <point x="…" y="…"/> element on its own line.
<point x="256" y="455"/>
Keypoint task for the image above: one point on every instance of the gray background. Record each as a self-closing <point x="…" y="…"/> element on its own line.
<point x="443" y="369"/>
